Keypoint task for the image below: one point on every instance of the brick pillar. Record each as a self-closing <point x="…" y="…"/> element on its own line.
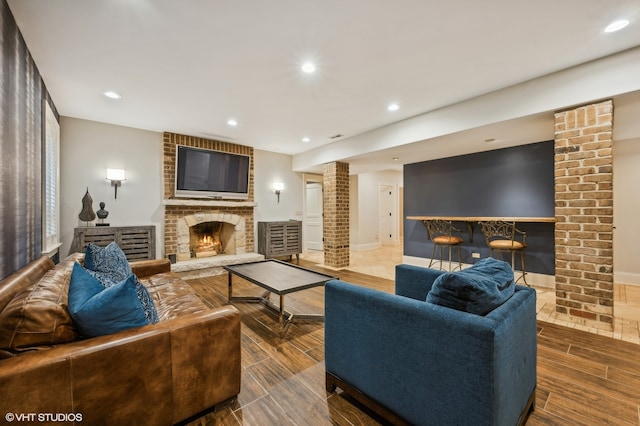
<point x="584" y="215"/>
<point x="336" y="214"/>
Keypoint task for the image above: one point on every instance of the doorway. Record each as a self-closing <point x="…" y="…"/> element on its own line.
<point x="385" y="215"/>
<point x="313" y="215"/>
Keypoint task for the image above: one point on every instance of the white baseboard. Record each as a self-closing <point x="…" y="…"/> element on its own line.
<point x="626" y="278"/>
<point x="364" y="247"/>
<point x="535" y="279"/>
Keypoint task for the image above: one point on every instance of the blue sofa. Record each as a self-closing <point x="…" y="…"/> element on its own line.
<point x="414" y="362"/>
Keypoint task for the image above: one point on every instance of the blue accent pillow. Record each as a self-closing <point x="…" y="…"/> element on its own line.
<point x="109" y="263"/>
<point x="478" y="289"/>
<point x="97" y="310"/>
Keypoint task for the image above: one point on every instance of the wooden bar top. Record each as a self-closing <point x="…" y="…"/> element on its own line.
<point x="482" y="218"/>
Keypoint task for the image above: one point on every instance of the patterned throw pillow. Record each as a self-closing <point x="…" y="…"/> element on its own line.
<point x="109" y="263"/>
<point x="148" y="306"/>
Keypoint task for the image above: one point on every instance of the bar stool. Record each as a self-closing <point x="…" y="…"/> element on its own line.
<point x="440" y="234"/>
<point x="502" y="236"/>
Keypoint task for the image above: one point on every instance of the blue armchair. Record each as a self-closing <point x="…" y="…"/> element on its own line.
<point x="414" y="362"/>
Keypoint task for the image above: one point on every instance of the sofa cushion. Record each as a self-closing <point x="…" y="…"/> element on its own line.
<point x="97" y="310"/>
<point x="109" y="264"/>
<point x="37" y="315"/>
<point x="478" y="289"/>
<point x="172" y="296"/>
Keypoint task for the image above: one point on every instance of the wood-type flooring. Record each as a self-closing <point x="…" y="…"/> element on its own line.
<point x="583" y="378"/>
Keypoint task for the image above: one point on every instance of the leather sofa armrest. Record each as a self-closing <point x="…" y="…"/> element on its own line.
<point x="145" y="268"/>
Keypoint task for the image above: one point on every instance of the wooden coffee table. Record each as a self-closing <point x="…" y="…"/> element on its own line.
<point x="280" y="278"/>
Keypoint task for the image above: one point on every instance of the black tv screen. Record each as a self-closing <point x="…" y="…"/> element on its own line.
<point x="205" y="173"/>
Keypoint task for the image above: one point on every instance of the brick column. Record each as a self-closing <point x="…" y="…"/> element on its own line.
<point x="584" y="215"/>
<point x="336" y="214"/>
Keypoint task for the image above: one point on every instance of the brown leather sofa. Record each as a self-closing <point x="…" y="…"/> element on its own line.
<point x="157" y="374"/>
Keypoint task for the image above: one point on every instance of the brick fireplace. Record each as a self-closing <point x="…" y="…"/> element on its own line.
<point x="210" y="234"/>
<point x="181" y="215"/>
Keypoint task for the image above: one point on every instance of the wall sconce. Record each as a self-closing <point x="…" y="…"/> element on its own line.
<point x="277" y="187"/>
<point x="116" y="176"/>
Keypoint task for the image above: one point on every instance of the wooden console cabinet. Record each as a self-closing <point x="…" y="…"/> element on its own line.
<point x="137" y="242"/>
<point x="276" y="239"/>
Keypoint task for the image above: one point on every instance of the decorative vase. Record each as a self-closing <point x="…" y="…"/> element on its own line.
<point x="87" y="214"/>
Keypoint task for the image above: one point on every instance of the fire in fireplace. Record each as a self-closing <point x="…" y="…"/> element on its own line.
<point x="206" y="239"/>
<point x="191" y="231"/>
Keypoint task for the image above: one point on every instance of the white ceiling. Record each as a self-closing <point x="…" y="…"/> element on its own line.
<point x="188" y="66"/>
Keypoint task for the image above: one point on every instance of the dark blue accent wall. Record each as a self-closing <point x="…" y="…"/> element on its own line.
<point x="507" y="182"/>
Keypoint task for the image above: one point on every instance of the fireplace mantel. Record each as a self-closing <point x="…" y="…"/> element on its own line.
<point x="208" y="203"/>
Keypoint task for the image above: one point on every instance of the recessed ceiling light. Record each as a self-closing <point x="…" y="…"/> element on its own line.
<point x="393" y="107"/>
<point x="232" y="122"/>
<point x="616" y="26"/>
<point x="488" y="140"/>
<point x="308" y="67"/>
<point x="305" y="140"/>
<point x="395" y="158"/>
<point x="111" y="94"/>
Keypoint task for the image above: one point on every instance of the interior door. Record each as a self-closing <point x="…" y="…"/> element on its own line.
<point x="401" y="212"/>
<point x="313" y="217"/>
<point x="385" y="214"/>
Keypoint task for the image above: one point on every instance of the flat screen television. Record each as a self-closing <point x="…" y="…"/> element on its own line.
<point x="205" y="173"/>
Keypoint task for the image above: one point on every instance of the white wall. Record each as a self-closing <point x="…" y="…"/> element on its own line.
<point x="270" y="167"/>
<point x="87" y="148"/>
<point x="626" y="208"/>
<point x="364" y="207"/>
<point x="354" y="217"/>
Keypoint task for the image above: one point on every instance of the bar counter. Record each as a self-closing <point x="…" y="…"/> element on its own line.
<point x="470" y="220"/>
<point x="484" y="218"/>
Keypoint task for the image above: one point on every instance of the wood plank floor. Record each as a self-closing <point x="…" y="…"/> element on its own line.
<point x="583" y="378"/>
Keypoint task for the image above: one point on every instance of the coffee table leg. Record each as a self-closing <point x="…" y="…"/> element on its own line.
<point x="284" y="322"/>
<point x="282" y="312"/>
<point x="230" y="286"/>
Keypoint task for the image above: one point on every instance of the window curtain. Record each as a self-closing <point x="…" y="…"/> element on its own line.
<point x="21" y="141"/>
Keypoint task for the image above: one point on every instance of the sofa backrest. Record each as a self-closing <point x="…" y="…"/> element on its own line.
<point x="23" y="278"/>
<point x="37" y="316"/>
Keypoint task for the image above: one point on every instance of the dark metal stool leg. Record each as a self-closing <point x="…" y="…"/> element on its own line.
<point x="524" y="273"/>
<point x="433" y="255"/>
